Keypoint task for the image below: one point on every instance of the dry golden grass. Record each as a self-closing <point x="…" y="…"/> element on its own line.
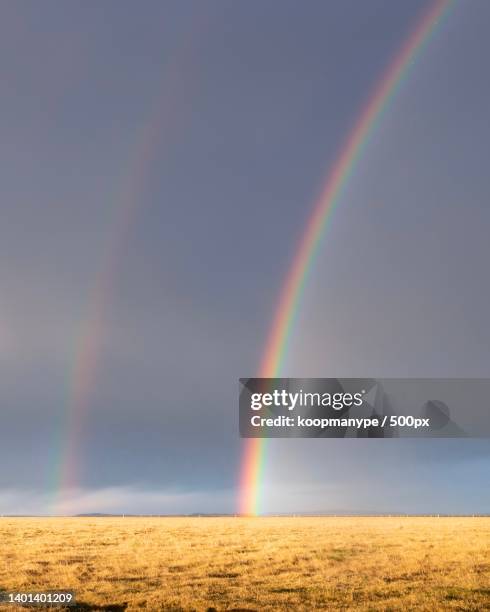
<point x="252" y="563"/>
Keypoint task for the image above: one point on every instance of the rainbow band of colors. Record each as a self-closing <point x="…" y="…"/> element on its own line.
<point x="277" y="344"/>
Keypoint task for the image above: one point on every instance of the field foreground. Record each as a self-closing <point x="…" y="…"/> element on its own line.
<point x="376" y="563"/>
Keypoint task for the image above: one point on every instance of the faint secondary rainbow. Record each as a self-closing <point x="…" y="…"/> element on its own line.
<point x="293" y="288"/>
<point x="159" y="128"/>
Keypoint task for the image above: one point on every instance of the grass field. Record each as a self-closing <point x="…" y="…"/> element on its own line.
<point x="302" y="563"/>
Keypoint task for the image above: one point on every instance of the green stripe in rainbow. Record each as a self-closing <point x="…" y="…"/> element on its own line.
<point x="276" y="348"/>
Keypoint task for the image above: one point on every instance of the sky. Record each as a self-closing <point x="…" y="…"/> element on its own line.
<point x="159" y="162"/>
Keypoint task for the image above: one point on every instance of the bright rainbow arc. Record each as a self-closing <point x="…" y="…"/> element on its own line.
<point x="294" y="285"/>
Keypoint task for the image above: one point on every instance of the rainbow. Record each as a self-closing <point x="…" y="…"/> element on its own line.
<point x="293" y="288"/>
<point x="93" y="332"/>
<point x="161" y="126"/>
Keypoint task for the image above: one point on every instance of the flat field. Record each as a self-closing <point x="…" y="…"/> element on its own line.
<point x="317" y="563"/>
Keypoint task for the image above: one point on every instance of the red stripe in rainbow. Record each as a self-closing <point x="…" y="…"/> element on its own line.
<point x="293" y="288"/>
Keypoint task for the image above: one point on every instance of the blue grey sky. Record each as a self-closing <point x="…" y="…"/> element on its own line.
<point x="237" y="111"/>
